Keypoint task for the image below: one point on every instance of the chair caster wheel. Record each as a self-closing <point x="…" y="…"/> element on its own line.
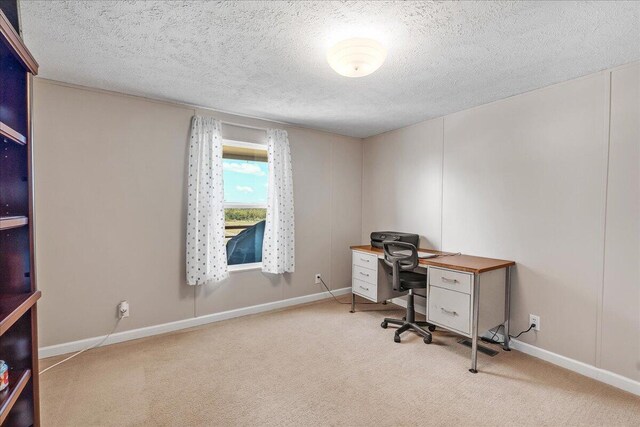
<point x="427" y="340"/>
<point x="432" y="328"/>
<point x="384" y="325"/>
<point x="396" y="338"/>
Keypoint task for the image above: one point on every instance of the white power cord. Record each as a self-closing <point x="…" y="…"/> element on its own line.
<point x="83" y="350"/>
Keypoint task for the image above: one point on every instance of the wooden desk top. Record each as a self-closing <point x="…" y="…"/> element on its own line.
<point x="468" y="263"/>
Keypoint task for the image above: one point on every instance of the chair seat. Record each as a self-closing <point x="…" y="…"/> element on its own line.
<point x="412" y="280"/>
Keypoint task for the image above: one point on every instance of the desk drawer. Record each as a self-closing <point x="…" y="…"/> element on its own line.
<point x="454" y="280"/>
<point x="365" y="260"/>
<point x="364" y="289"/>
<point x="450" y="309"/>
<point x="365" y="274"/>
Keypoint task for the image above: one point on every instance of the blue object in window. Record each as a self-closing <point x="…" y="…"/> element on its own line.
<point x="246" y="247"/>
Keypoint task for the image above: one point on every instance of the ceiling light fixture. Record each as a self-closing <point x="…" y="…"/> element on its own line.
<point x="356" y="57"/>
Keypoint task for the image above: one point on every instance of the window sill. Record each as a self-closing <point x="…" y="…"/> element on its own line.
<point x="245" y="267"/>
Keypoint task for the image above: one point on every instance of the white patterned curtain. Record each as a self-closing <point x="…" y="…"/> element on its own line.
<point x="206" y="250"/>
<point x="278" y="248"/>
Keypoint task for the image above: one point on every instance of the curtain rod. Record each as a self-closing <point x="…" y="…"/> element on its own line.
<point x="224" y="122"/>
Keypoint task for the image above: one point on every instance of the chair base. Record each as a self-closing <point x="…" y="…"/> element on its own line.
<point x="417" y="327"/>
<point x="409" y="323"/>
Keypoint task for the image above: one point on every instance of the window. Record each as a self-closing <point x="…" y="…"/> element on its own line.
<point x="246" y="179"/>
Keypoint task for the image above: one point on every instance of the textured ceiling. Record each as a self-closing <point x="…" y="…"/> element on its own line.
<point x="267" y="59"/>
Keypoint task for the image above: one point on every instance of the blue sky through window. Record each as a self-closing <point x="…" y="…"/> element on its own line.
<point x="245" y="181"/>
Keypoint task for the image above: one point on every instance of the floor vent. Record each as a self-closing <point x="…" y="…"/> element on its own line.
<point x="481" y="348"/>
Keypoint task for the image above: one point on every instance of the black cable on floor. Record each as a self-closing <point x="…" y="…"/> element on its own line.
<point x="492" y="340"/>
<point x="348" y="303"/>
<point x="337" y="300"/>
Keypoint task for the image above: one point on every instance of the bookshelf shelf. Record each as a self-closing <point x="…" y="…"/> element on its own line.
<point x="7" y="222"/>
<point x="13" y="307"/>
<point x="9" y="396"/>
<point x="8" y="132"/>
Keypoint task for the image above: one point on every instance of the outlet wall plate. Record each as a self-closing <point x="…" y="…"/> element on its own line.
<point x="534" y="318"/>
<point x="317" y="278"/>
<point x="123" y="309"/>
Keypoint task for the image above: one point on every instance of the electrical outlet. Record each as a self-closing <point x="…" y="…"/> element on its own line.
<point x="317" y="278"/>
<point x="534" y="319"/>
<point x="123" y="309"/>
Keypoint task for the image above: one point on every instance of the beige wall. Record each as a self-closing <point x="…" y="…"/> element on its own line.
<point x="402" y="187"/>
<point x="110" y="174"/>
<point x="525" y="178"/>
<point x="620" y="326"/>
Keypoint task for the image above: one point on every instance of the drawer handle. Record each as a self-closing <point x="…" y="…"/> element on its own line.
<point x="446" y="279"/>
<point x="364" y="274"/>
<point x="362" y="287"/>
<point x="365" y="260"/>
<point x="449" y="312"/>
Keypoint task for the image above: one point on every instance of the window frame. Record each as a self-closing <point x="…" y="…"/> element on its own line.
<point x="231" y="205"/>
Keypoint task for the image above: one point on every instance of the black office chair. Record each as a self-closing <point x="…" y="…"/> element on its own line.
<point x="403" y="259"/>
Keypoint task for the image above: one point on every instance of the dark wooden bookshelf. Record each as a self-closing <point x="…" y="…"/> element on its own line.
<point x="19" y="402"/>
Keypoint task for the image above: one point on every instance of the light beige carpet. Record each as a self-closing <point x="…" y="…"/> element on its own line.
<point x="318" y="365"/>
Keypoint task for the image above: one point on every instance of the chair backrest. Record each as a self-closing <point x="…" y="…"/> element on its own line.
<point x="399" y="256"/>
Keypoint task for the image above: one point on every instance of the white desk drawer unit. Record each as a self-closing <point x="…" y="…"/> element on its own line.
<point x="450" y="299"/>
<point x="369" y="278"/>
<point x="450" y="309"/>
<point x="364" y="272"/>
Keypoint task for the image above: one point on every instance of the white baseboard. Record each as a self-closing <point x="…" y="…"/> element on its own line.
<point x="69" y="347"/>
<point x="582" y="368"/>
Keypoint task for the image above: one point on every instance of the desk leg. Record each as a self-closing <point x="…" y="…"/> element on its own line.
<point x="507" y="308"/>
<point x="474" y="325"/>
<point x="353" y="303"/>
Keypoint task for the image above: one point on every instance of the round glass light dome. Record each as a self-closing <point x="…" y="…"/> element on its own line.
<point x="357" y="57"/>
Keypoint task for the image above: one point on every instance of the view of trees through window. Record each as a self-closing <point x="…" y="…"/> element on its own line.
<point x="238" y="219"/>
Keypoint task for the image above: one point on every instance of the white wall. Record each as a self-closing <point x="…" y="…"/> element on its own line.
<point x="525" y="178"/>
<point x="110" y="178"/>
